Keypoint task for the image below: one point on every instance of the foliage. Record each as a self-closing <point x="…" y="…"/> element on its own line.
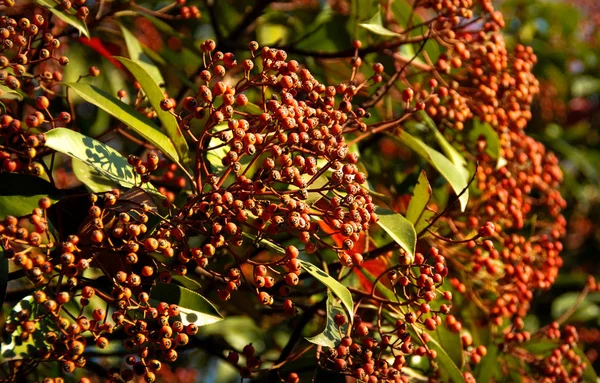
<point x="361" y="200"/>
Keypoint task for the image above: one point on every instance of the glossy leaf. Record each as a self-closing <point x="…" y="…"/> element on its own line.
<point x="446" y="363"/>
<point x="194" y="307"/>
<point x="95" y="181"/>
<point x="336" y="287"/>
<point x="331" y="335"/>
<point x="58" y="11"/>
<point x="155" y="96"/>
<point x="20" y="193"/>
<point x="375" y="25"/>
<point x="399" y="228"/>
<point x="448" y="170"/>
<point x="105" y="160"/>
<point x="127" y="114"/>
<point x="136" y="53"/>
<point x="417" y="212"/>
<point x="12" y="347"/>
<point x="450" y="151"/>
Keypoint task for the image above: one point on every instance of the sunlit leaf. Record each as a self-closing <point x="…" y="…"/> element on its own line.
<point x="194" y="307"/>
<point x="336" y="287"/>
<point x="136" y="53"/>
<point x="92" y="178"/>
<point x="417" y="212"/>
<point x="375" y="25"/>
<point x="155" y="96"/>
<point x="8" y="94"/>
<point x="447" y="169"/>
<point x="58" y="11"/>
<point x="331" y="335"/>
<point x="399" y="228"/>
<point x="489" y="367"/>
<point x="127" y="114"/>
<point x="105" y="160"/>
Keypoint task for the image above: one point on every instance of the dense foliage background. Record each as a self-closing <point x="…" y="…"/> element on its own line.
<point x="503" y="324"/>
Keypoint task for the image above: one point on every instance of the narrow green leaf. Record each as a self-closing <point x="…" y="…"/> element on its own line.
<point x="104" y="159"/>
<point x="20" y="193"/>
<point x="336" y="287"/>
<point x="136" y="53"/>
<point x="451" y="342"/>
<point x="194" y="307"/>
<point x="446" y="363"/>
<point x="489" y="367"/>
<point x="92" y="178"/>
<point x="449" y="150"/>
<point x="449" y="171"/>
<point x="331" y="336"/>
<point x="589" y="374"/>
<point x="127" y="114"/>
<point x="421" y="197"/>
<point x="383" y="289"/>
<point x="155" y="96"/>
<point x="399" y="228"/>
<point x="492" y="140"/>
<point x="375" y="25"/>
<point x="63" y="14"/>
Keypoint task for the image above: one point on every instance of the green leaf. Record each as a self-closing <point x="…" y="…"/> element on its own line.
<point x="491" y="138"/>
<point x="451" y="342"/>
<point x="589" y="374"/>
<point x="331" y="336"/>
<point x="136" y="53"/>
<point x="20" y="193"/>
<point x="587" y="309"/>
<point x="155" y="96"/>
<point x="383" y="289"/>
<point x="375" y="25"/>
<point x="489" y="367"/>
<point x="449" y="171"/>
<point x="63" y="14"/>
<point x="105" y="160"/>
<point x="194" y="307"/>
<point x="446" y="363"/>
<point x="12" y="346"/>
<point x="120" y="110"/>
<point x="95" y="181"/>
<point x="336" y="287"/>
<point x="449" y="150"/>
<point x="399" y="228"/>
<point x="417" y="212"/>
<point x="8" y="94"/>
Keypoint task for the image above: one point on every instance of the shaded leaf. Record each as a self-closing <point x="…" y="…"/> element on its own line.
<point x="336" y="287"/>
<point x="331" y="335"/>
<point x="155" y="96"/>
<point x="451" y="342"/>
<point x="375" y="25"/>
<point x="8" y="94"/>
<point x="489" y="367"/>
<point x="20" y="193"/>
<point x="136" y="53"/>
<point x="12" y="346"/>
<point x="101" y="157"/>
<point x="446" y="363"/>
<point x="3" y="276"/>
<point x="383" y="289"/>
<point x="586" y="310"/>
<point x="448" y="170"/>
<point x="399" y="228"/>
<point x="127" y="114"/>
<point x="194" y="307"/>
<point x="491" y="139"/>
<point x="65" y="16"/>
